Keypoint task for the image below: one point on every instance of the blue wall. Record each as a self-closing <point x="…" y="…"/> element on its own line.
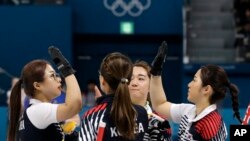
<point x="162" y="17"/>
<point x="26" y="32"/>
<point x="3" y="119"/>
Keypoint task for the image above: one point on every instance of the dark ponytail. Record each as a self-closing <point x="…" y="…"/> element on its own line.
<point x="116" y="69"/>
<point x="235" y="101"/>
<point x="15" y="110"/>
<point x="122" y="111"/>
<point x="32" y="72"/>
<point x="217" y="78"/>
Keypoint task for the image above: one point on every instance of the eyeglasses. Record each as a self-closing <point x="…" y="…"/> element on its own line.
<point x="55" y="76"/>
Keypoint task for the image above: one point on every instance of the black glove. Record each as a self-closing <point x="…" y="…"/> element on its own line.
<point x="60" y="61"/>
<point x="159" y="59"/>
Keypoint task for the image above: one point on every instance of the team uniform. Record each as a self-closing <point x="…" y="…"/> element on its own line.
<point x="158" y="128"/>
<point x="94" y="118"/>
<point x="39" y="123"/>
<point x="207" y="126"/>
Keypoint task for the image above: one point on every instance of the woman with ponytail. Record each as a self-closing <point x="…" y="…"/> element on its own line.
<point x="40" y="121"/>
<point x="114" y="117"/>
<point x="199" y="120"/>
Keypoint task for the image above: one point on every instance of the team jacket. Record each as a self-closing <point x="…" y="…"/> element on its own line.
<point x="94" y="118"/>
<point x="207" y="126"/>
<point x="44" y="126"/>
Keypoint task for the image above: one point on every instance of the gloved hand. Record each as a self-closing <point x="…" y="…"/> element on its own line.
<point x="159" y="59"/>
<point x="60" y="61"/>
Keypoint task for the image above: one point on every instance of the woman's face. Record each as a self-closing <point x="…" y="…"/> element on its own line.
<point x="194" y="88"/>
<point x="51" y="86"/>
<point x="139" y="86"/>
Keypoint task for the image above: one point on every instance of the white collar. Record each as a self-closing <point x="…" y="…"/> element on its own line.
<point x="205" y="112"/>
<point x="35" y="101"/>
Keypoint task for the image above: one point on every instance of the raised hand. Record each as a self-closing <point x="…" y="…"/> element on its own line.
<point x="159" y="59"/>
<point x="60" y="61"/>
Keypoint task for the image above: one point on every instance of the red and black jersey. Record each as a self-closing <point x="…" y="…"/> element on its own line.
<point x="92" y="122"/>
<point x="211" y="127"/>
<point x="206" y="126"/>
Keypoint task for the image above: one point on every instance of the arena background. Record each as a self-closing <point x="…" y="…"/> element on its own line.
<point x="86" y="30"/>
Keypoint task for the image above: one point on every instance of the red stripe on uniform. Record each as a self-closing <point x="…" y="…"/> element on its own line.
<point x="95" y="109"/>
<point x="209" y="126"/>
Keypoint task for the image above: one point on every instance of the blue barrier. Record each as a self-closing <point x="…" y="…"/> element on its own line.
<point x="3" y="120"/>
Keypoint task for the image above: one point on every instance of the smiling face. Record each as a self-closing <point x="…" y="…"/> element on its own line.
<point x="139" y="86"/>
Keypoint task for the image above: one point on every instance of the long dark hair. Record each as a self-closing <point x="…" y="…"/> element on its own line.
<point x="217" y="78"/>
<point x="32" y="72"/>
<point x="116" y="70"/>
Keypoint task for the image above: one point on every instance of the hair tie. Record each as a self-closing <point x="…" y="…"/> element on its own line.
<point x="124" y="80"/>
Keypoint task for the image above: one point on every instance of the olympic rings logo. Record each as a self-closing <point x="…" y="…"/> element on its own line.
<point x="120" y="8"/>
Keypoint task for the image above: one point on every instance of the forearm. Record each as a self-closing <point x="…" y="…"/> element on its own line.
<point x="73" y="94"/>
<point x="157" y="93"/>
<point x="158" y="97"/>
<point x="73" y="100"/>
